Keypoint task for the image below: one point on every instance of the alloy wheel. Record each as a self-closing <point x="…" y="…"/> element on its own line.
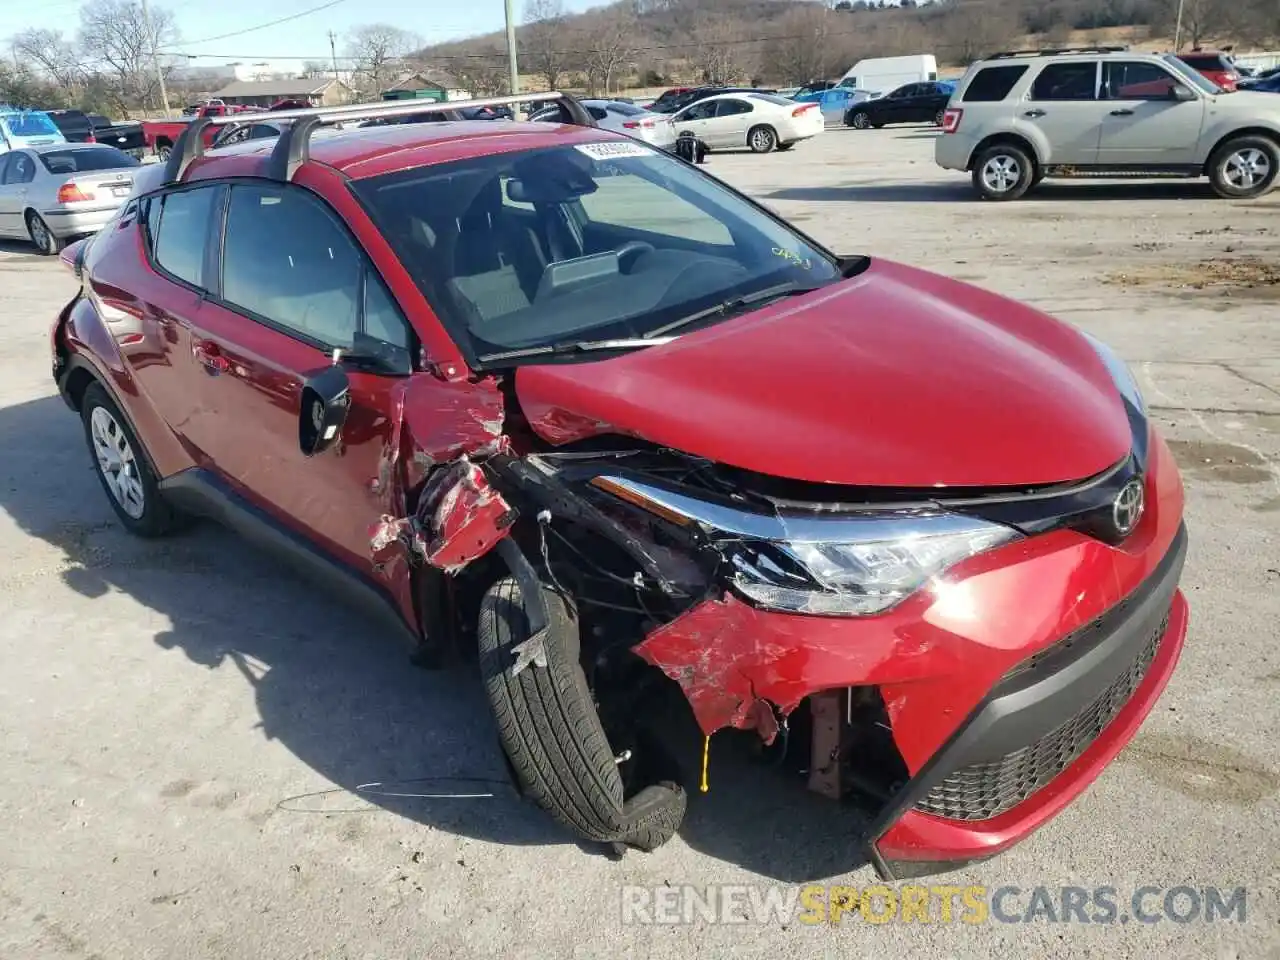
<point x="1001" y="173"/>
<point x="117" y="463"/>
<point x="41" y="235"/>
<point x="762" y="141"/>
<point x="860" y="121"/>
<point x="1246" y="168"/>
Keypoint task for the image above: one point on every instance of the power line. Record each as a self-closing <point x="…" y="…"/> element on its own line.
<point x="685" y="45"/>
<point x="272" y="23"/>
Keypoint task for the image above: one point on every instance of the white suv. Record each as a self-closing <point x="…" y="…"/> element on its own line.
<point x="1016" y="118"/>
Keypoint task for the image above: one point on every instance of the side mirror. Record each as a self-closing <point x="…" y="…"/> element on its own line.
<point x="1181" y="93"/>
<point x="325" y="401"/>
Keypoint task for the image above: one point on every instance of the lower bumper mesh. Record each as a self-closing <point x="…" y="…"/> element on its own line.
<point x="981" y="791"/>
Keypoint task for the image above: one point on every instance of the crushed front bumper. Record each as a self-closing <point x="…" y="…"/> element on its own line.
<point x="1008" y="686"/>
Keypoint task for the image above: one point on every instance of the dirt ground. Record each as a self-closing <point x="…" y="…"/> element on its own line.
<point x="187" y="731"/>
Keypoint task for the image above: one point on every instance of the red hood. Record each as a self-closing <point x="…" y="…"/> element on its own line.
<point x="896" y="377"/>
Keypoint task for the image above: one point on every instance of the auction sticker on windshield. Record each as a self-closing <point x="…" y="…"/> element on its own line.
<point x="612" y="150"/>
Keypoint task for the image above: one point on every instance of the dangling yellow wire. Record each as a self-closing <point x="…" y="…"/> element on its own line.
<point x="706" y="759"/>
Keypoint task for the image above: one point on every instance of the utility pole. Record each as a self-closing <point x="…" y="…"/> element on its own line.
<point x="155" y="57"/>
<point x="514" y="78"/>
<point x="333" y="52"/>
<point x="1177" y="30"/>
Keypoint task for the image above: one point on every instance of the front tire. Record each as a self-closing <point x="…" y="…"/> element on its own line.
<point x="1003" y="172"/>
<point x="859" y="120"/>
<point x="1244" y="167"/>
<point x="123" y="468"/>
<point x="552" y="735"/>
<point x="762" y="139"/>
<point x="42" y="236"/>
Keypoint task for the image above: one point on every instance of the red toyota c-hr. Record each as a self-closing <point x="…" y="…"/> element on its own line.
<point x="548" y="397"/>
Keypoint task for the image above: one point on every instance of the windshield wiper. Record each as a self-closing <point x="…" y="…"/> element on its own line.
<point x="733" y="305"/>
<point x="574" y="346"/>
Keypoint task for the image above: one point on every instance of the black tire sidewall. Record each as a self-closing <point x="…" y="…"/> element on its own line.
<point x="157" y="518"/>
<point x="1025" y="180"/>
<point x="1222" y="188"/>
<point x="859" y="115"/>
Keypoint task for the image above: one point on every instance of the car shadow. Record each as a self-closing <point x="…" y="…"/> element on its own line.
<point x="960" y="191"/>
<point x="343" y="698"/>
<point x="23" y="247"/>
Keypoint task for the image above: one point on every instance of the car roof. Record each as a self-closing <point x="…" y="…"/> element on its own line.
<point x="62" y="147"/>
<point x="371" y="151"/>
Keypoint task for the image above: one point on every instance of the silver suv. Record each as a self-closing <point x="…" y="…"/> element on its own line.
<point x="1016" y="118"/>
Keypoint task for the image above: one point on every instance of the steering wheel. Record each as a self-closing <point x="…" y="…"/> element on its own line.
<point x="633" y="248"/>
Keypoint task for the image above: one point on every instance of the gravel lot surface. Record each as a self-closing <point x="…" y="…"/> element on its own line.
<point x="183" y="725"/>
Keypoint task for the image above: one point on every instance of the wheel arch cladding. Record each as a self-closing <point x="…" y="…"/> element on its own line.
<point x="1006" y="137"/>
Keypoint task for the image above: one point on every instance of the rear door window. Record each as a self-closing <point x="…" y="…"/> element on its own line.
<point x="1067" y="81"/>
<point x="179" y="227"/>
<point x="729" y="108"/>
<point x="993" y="84"/>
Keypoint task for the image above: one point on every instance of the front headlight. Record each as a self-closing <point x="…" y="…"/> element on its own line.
<point x="836" y="565"/>
<point x="863" y="572"/>
<point x="1126" y="382"/>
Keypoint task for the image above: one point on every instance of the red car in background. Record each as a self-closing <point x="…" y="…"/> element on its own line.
<point x="554" y="400"/>
<point x="1214" y="65"/>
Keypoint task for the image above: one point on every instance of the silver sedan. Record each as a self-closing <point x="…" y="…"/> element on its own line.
<point x="56" y="192"/>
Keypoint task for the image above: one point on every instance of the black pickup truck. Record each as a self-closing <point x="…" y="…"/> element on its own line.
<point x="80" y="127"/>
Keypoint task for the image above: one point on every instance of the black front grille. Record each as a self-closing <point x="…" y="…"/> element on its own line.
<point x="981" y="791"/>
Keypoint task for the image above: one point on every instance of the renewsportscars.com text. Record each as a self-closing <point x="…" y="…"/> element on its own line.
<point x="937" y="903"/>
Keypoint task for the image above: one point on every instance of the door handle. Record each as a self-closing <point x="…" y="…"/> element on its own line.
<point x="1122" y="113"/>
<point x="1034" y="113"/>
<point x="208" y="354"/>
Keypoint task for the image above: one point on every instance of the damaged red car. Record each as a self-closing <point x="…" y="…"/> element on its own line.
<point x="554" y="400"/>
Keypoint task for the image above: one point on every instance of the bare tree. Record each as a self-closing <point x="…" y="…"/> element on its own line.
<point x="609" y="45"/>
<point x="719" y="49"/>
<point x="378" y="52"/>
<point x="542" y="47"/>
<point x="316" y="68"/>
<point x="114" y="37"/>
<point x="801" y="51"/>
<point x="51" y="54"/>
<point x="484" y="74"/>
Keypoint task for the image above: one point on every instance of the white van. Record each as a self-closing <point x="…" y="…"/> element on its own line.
<point x="882" y="74"/>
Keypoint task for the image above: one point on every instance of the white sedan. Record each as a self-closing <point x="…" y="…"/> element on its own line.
<point x="759" y="121"/>
<point x="620" y="116"/>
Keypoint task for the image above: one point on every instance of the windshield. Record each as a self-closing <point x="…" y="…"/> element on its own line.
<point x="30" y="124"/>
<point x="89" y="158"/>
<point x="580" y="242"/>
<point x="772" y="98"/>
<point x="625" y="109"/>
<point x="1194" y="77"/>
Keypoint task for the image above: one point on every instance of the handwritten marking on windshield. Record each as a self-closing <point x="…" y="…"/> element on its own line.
<point x="794" y="257"/>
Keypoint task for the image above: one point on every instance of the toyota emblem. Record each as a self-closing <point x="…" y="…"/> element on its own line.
<point x="1126" y="511"/>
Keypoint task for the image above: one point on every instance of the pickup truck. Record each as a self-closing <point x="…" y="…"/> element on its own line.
<point x="161" y="135"/>
<point x="80" y="127"/>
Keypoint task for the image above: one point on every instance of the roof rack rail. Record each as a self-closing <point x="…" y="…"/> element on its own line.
<point x="1053" y="52"/>
<point x="293" y="147"/>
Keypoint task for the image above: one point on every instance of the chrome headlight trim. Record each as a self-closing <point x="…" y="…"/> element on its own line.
<point x="1125" y="380"/>
<point x="848" y="565"/>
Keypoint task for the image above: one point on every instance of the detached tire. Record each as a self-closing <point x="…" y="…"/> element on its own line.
<point x="551" y="733"/>
<point x="1244" y="167"/>
<point x="1003" y="172"/>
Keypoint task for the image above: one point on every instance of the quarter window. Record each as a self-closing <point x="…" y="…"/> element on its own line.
<point x="993" y="84"/>
<point x="1066" y="81"/>
<point x="286" y="260"/>
<point x="179" y="226"/>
